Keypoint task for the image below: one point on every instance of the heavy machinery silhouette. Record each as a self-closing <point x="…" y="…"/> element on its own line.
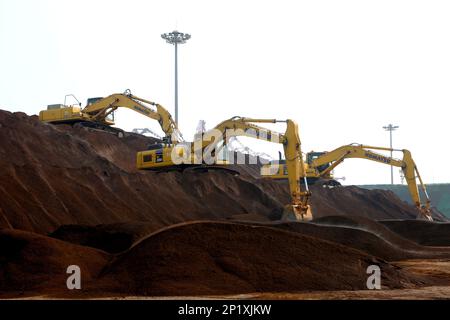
<point x="320" y="164"/>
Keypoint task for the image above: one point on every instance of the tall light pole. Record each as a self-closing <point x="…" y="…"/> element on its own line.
<point x="176" y="38"/>
<point x="391" y="128"/>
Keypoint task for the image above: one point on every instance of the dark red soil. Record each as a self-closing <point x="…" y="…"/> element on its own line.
<point x="55" y="175"/>
<point x="379" y="229"/>
<point x="359" y="233"/>
<point x="350" y="200"/>
<point x="223" y="258"/>
<point x="192" y="259"/>
<point x="366" y="237"/>
<point x="423" y="232"/>
<point x="112" y="238"/>
<point x="81" y="186"/>
<point x="34" y="263"/>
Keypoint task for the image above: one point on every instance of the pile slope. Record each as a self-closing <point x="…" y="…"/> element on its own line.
<point x="59" y="175"/>
<point x="209" y="258"/>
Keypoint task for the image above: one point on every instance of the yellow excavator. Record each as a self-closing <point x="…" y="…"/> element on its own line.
<point x="174" y="153"/>
<point x="99" y="114"/>
<point x="204" y="153"/>
<point x="320" y="164"/>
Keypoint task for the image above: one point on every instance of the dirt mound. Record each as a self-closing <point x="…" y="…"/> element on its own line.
<point x="423" y="232"/>
<point x="396" y="240"/>
<point x="250" y="217"/>
<point x="349" y="200"/>
<point x="121" y="152"/>
<point x="86" y="182"/>
<point x="350" y="237"/>
<point x="224" y="258"/>
<point x="367" y="238"/>
<point x="358" y="233"/>
<point x="375" y="205"/>
<point x="59" y="175"/>
<point x="199" y="258"/>
<point x="112" y="238"/>
<point x="31" y="262"/>
<point x="438" y="192"/>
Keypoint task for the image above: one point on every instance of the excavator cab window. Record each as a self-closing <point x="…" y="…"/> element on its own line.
<point x="310" y="157"/>
<point x="109" y="117"/>
<point x="93" y="100"/>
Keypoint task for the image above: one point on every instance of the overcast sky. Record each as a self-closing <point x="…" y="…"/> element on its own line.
<point x="341" y="69"/>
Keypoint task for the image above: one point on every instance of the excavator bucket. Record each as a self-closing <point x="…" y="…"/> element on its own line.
<point x="297" y="213"/>
<point x="425" y="213"/>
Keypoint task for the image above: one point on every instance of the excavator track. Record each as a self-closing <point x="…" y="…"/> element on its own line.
<point x="212" y="168"/>
<point x="99" y="127"/>
<point x="198" y="169"/>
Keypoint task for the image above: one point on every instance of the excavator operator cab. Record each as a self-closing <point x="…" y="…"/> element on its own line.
<point x="311" y="156"/>
<point x="275" y="169"/>
<point x="109" y="117"/>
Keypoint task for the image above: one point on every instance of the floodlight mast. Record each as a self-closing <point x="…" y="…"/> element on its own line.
<point x="176" y="38"/>
<point x="391" y="128"/>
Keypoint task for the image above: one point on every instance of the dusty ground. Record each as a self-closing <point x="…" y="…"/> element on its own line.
<point x="212" y="258"/>
<point x="440" y="269"/>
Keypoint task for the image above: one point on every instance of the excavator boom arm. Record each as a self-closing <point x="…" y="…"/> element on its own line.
<point x="410" y="171"/>
<point x="356" y="151"/>
<point x="238" y="126"/>
<point x="290" y="140"/>
<point x="100" y="109"/>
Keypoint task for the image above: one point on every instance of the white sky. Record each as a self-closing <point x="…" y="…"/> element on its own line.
<point x="342" y="69"/>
